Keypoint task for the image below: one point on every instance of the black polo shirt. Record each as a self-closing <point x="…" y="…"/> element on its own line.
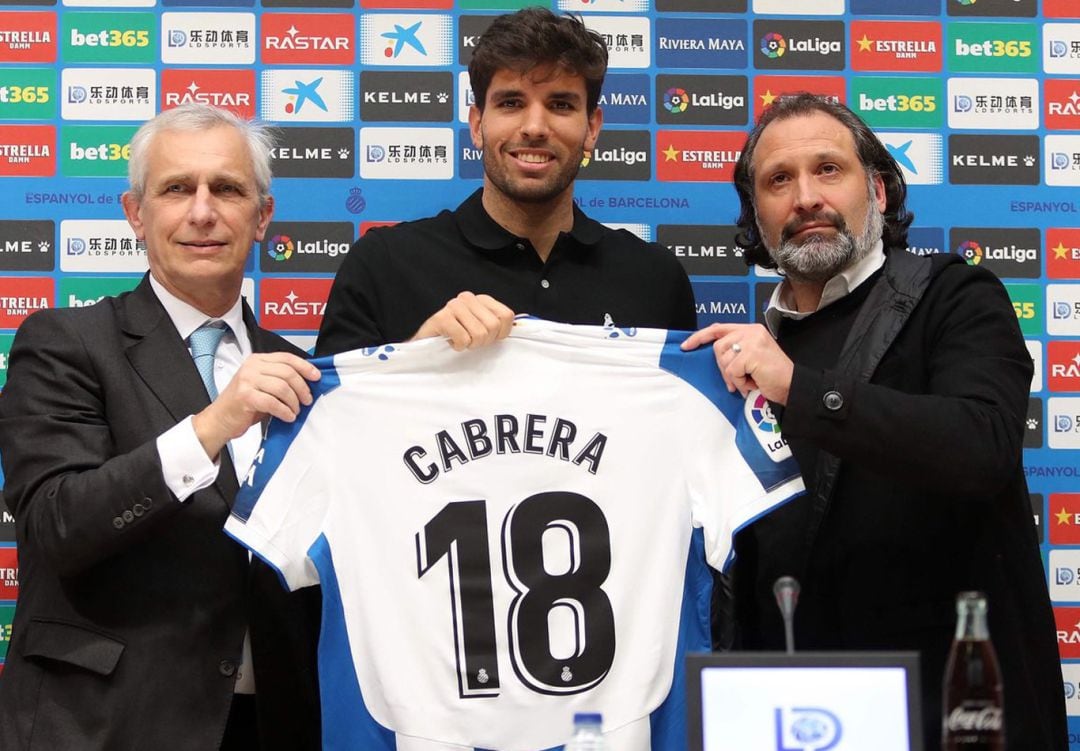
<point x="395" y="278"/>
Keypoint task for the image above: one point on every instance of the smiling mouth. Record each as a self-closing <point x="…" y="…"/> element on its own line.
<point x="532" y="158"/>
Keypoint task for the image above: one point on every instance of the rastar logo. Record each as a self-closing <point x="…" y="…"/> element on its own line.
<point x="896" y="46"/>
<point x="1061" y="103"/>
<point x="1063" y="360"/>
<point x="28" y="37"/>
<point x="697" y="156"/>
<point x="767" y="89"/>
<point x="229" y="89"/>
<point x="322" y="39"/>
<point x="1063" y="253"/>
<point x="1060" y="9"/>
<point x="21" y="296"/>
<point x="27" y="150"/>
<point x="1067" y="621"/>
<point x="9" y="574"/>
<point x="1064" y="518"/>
<point x="293" y="304"/>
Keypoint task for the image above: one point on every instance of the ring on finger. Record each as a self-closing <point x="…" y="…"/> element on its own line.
<point x="736" y="348"/>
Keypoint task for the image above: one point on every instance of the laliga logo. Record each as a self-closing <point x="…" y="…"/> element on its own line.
<point x="963" y="103"/>
<point x="773" y="45"/>
<point x="280" y="247"/>
<point x="806" y="729"/>
<point x="971" y="252"/>
<point x="77" y="94"/>
<point x="676" y="101"/>
<point x="762" y="415"/>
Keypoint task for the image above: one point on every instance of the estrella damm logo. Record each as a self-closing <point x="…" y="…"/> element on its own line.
<point x="27" y="94"/>
<point x="109" y="38"/>
<point x="993" y="47"/>
<point x="95" y="150"/>
<point x="897" y="102"/>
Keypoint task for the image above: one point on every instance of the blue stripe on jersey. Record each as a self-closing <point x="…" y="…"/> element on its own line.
<point x="346" y="722"/>
<point x="279" y="436"/>
<point x="668" y="721"/>
<point x="698" y="368"/>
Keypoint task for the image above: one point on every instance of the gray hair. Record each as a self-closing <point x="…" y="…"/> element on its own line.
<point x="200" y="117"/>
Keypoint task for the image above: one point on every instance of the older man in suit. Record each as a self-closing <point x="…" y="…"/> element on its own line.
<point x="136" y="611"/>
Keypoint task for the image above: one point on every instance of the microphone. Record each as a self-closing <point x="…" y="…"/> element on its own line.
<point x="786" y="591"/>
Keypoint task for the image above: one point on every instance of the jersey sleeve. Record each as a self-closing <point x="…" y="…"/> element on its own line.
<point x="738" y="465"/>
<point x="282" y="504"/>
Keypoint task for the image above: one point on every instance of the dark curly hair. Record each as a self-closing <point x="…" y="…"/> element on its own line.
<point x="535" y="37"/>
<point x="875" y="159"/>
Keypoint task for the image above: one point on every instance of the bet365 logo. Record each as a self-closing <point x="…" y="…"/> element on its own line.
<point x="109" y="37"/>
<point x="96" y="151"/>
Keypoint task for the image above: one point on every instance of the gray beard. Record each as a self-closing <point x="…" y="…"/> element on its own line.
<point x="818" y="258"/>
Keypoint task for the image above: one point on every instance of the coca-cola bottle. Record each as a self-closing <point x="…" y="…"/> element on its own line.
<point x="973" y="717"/>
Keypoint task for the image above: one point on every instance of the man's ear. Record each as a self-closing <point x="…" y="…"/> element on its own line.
<point x="266" y="213"/>
<point x="132" y="206"/>
<point x="475" y="118"/>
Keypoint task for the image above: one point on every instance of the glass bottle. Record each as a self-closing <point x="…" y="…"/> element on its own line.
<point x="973" y="716"/>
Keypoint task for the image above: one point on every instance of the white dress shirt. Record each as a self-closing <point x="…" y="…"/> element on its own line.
<point x="184" y="463"/>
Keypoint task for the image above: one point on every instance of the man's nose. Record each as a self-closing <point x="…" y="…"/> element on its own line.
<point x="807" y="194"/>
<point x="203" y="207"/>
<point x="535" y="124"/>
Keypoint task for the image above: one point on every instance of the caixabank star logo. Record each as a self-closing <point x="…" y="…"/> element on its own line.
<point x="27" y="37"/>
<point x="308" y="95"/>
<point x="896" y="46"/>
<point x="697" y="156"/>
<point x="229" y="89"/>
<point x="400" y="40"/>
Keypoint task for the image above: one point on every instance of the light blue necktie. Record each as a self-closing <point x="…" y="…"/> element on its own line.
<point x="204" y="342"/>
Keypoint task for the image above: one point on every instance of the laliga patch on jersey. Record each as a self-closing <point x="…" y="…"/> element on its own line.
<point x="766" y="427"/>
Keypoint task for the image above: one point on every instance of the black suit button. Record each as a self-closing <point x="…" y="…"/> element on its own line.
<point x="138" y="509"/>
<point x="147" y="502"/>
<point x="118" y="522"/>
<point x="227" y="668"/>
<point x="128" y="516"/>
<point x="833" y="401"/>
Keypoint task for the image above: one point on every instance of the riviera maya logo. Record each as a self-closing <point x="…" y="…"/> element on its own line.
<point x="971" y="252"/>
<point x="762" y="415"/>
<point x="676" y="101"/>
<point x="280" y="247"/>
<point x="773" y="45"/>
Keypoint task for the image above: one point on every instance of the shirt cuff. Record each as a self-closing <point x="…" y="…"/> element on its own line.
<point x="184" y="463"/>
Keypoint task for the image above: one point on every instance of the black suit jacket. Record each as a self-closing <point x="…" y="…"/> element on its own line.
<point x="132" y="605"/>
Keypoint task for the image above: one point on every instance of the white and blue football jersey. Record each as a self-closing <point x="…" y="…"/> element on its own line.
<point x="510" y="535"/>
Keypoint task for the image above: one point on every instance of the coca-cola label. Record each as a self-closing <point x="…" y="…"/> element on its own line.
<point x="975" y="718"/>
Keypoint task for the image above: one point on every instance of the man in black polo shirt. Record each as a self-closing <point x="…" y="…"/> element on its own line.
<point x="518" y="245"/>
